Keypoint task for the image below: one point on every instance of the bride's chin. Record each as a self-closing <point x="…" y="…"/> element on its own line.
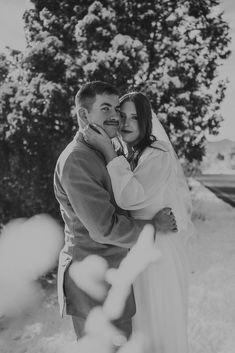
<point x="127" y="141"/>
<point x="124" y="138"/>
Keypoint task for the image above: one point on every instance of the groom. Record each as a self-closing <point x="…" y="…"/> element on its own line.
<point x="93" y="222"/>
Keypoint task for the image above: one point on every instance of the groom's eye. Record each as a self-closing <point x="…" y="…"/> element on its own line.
<point x="105" y="109"/>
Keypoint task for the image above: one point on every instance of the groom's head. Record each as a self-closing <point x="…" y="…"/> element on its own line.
<point x="97" y="102"/>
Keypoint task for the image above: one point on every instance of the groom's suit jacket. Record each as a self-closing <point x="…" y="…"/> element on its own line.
<point x="93" y="222"/>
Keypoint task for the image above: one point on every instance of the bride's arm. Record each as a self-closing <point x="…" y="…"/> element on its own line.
<point x="135" y="189"/>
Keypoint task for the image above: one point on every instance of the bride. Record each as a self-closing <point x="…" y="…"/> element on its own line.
<point x="147" y="179"/>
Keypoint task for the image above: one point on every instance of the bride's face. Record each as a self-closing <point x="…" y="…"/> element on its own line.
<point x="130" y="128"/>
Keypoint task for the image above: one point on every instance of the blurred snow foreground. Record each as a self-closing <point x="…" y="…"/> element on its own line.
<point x="91" y="275"/>
<point x="29" y="248"/>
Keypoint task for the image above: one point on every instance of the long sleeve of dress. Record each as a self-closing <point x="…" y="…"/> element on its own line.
<point x="156" y="182"/>
<point x="136" y="189"/>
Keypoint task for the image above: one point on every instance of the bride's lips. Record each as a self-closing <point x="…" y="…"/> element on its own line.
<point x="126" y="131"/>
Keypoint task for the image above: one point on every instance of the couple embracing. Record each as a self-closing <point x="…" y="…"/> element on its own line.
<point x="107" y="197"/>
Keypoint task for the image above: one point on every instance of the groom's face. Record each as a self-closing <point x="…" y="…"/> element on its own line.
<point x="105" y="112"/>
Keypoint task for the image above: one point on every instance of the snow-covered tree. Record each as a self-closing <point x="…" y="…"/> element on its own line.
<point x="169" y="49"/>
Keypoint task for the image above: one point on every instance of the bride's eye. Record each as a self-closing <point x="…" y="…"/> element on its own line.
<point x="122" y="115"/>
<point x="134" y="117"/>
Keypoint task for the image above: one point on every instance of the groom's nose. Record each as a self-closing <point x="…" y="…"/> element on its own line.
<point x="115" y="116"/>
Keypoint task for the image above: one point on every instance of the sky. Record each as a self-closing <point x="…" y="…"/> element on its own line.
<point x="12" y="35"/>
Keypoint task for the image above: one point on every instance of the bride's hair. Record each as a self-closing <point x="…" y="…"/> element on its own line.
<point x="144" y="118"/>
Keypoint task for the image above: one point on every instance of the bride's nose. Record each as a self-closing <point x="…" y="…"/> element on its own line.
<point x="126" y="122"/>
<point x="121" y="118"/>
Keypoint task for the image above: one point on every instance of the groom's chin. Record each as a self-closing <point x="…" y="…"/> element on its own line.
<point x="111" y="131"/>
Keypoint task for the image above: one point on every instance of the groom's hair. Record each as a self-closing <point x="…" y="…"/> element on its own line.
<point x="85" y="97"/>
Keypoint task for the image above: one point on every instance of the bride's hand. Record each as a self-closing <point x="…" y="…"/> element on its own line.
<point x="100" y="141"/>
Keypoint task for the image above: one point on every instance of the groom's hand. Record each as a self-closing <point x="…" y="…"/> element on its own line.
<point x="164" y="221"/>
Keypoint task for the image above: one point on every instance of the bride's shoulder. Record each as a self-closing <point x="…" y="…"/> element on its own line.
<point x="161" y="145"/>
<point x="156" y="150"/>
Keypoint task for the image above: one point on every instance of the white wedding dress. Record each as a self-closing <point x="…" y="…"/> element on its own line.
<point x="161" y="290"/>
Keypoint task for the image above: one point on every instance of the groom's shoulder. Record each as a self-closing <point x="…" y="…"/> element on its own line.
<point x="78" y="157"/>
<point x="74" y="152"/>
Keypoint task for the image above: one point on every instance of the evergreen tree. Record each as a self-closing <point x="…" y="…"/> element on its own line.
<point x="169" y="49"/>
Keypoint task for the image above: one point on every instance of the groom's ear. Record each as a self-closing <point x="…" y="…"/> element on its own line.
<point x="82" y="115"/>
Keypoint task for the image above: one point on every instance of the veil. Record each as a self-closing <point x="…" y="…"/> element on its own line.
<point x="159" y="132"/>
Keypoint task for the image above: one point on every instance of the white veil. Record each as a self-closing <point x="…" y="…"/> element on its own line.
<point x="159" y="132"/>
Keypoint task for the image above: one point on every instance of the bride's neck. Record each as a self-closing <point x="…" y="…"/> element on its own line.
<point x="129" y="149"/>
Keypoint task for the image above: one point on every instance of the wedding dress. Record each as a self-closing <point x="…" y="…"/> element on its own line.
<point x="161" y="290"/>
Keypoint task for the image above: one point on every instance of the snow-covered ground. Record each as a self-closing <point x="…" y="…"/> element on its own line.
<point x="212" y="281"/>
<point x="217" y="169"/>
<point x="211" y="292"/>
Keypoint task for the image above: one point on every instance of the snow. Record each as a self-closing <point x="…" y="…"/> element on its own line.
<point x="212" y="278"/>
<point x="216" y="169"/>
<point x="211" y="291"/>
